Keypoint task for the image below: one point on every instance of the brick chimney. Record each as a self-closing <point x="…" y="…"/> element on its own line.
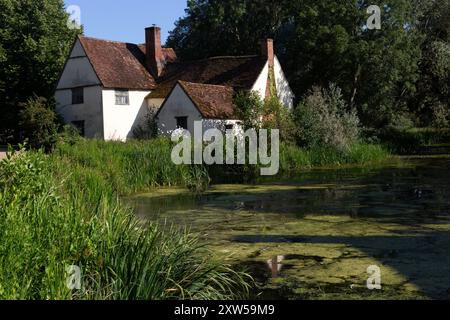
<point x="268" y="52"/>
<point x="154" y="55"/>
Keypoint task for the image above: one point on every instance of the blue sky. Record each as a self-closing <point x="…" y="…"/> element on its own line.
<point x="126" y="20"/>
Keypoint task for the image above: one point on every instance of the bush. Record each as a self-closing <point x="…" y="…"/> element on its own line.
<point x="323" y="120"/>
<point x="277" y="116"/>
<point x="69" y="135"/>
<point x="249" y="109"/>
<point x="38" y="123"/>
<point x="147" y="130"/>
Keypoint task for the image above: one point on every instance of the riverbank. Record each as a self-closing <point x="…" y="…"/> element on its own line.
<point x="63" y="209"/>
<point x="139" y="166"/>
<point x="59" y="216"/>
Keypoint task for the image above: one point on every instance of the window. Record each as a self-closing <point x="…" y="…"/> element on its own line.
<point x="79" y="125"/>
<point x="122" y="97"/>
<point x="182" y="122"/>
<point x="78" y="96"/>
<point x="229" y="127"/>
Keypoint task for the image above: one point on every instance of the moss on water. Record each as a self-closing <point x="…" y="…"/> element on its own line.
<point x="314" y="237"/>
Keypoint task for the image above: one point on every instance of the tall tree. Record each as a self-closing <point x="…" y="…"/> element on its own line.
<point x="433" y="94"/>
<point x="376" y="69"/>
<point x="231" y="27"/>
<point x="34" y="43"/>
<point x="319" y="41"/>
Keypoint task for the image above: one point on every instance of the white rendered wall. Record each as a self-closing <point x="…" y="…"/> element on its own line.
<point x="119" y="121"/>
<point x="261" y="83"/>
<point x="178" y="104"/>
<point x="78" y="72"/>
<point x="284" y="91"/>
<point x="90" y="111"/>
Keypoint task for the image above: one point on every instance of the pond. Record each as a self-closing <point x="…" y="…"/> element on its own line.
<point x="314" y="236"/>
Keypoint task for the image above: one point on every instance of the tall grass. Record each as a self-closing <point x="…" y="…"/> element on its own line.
<point x="137" y="166"/>
<point x="55" y="213"/>
<point x="294" y="159"/>
<point x="134" y="166"/>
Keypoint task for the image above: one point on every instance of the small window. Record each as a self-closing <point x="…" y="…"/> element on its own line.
<point x="78" y="96"/>
<point x="79" y="125"/>
<point x="122" y="97"/>
<point x="182" y="123"/>
<point x="229" y="127"/>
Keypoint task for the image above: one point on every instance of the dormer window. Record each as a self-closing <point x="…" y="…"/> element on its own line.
<point x="122" y="97"/>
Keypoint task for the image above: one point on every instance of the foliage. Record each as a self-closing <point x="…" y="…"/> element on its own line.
<point x="324" y="120"/>
<point x="69" y="135"/>
<point x="249" y="109"/>
<point x="433" y="87"/>
<point x="147" y="130"/>
<point x="34" y="44"/>
<point x="47" y="223"/>
<point x="37" y="123"/>
<point x="278" y="116"/>
<point x="294" y="159"/>
<point x="133" y="166"/>
<point x="238" y="27"/>
<point x="318" y="42"/>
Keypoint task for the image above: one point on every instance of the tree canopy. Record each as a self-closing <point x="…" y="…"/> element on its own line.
<point x="322" y="42"/>
<point x="34" y="43"/>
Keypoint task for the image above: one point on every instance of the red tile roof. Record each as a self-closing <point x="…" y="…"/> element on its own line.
<point x="121" y="65"/>
<point x="210" y="83"/>
<point x="213" y="102"/>
<point x="239" y="73"/>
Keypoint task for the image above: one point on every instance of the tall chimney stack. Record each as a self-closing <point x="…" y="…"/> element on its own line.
<point x="154" y="55"/>
<point x="268" y="52"/>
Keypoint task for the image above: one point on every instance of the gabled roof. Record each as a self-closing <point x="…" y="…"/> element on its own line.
<point x="240" y="73"/>
<point x="121" y="65"/>
<point x="212" y="101"/>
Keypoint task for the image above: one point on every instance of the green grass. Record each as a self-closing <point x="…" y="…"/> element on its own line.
<point x="135" y="166"/>
<point x="294" y="159"/>
<point x="411" y="141"/>
<point x="55" y="213"/>
<point x="63" y="209"/>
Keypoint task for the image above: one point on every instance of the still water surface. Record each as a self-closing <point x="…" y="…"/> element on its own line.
<point x="313" y="236"/>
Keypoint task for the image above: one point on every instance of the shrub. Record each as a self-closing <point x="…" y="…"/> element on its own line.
<point x="70" y="135"/>
<point x="38" y="123"/>
<point x="249" y="109"/>
<point x="323" y="120"/>
<point x="440" y="115"/>
<point x="148" y="129"/>
<point x="277" y="116"/>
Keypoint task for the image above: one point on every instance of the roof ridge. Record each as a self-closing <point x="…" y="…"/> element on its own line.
<point x="106" y="40"/>
<point x="217" y="58"/>
<point x="205" y="84"/>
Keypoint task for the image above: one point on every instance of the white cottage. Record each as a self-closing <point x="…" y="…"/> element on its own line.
<point x="108" y="88"/>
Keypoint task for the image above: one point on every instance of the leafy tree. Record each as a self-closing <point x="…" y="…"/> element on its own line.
<point x="231" y="27"/>
<point x="376" y="69"/>
<point x="34" y="43"/>
<point x="319" y="41"/>
<point x="433" y="88"/>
